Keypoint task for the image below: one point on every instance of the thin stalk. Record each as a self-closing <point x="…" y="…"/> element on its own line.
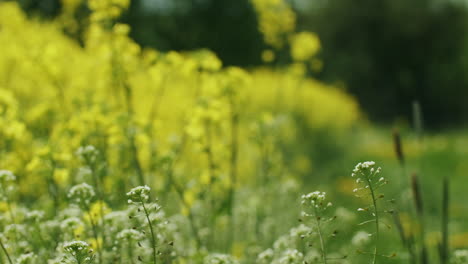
<point x="233" y="165"/>
<point x="53" y="188"/>
<point x="10" y="211"/>
<point x="376" y="215"/>
<point x="211" y="168"/>
<point x="153" y="238"/>
<point x="233" y="161"/>
<point x="133" y="146"/>
<point x="6" y="252"/>
<point x="136" y="161"/>
<point x="444" y="247"/>
<point x="43" y="242"/>
<point x="130" y="251"/>
<point x="180" y="193"/>
<point x="99" y="191"/>
<point x="96" y="237"/>
<point x="265" y="163"/>
<point x="120" y="78"/>
<point x="418" y="201"/>
<point x="406" y="206"/>
<point x="407" y="242"/>
<point x="209" y="153"/>
<point x="191" y="217"/>
<point x="322" y="243"/>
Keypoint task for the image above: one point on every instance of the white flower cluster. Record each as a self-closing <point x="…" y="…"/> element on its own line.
<point x="6" y="179"/>
<point x="88" y="153"/>
<point x="266" y="256"/>
<point x="285" y="248"/>
<point x="300" y="231"/>
<point x="34" y="216"/>
<point x="360" y="238"/>
<point x="76" y="246"/>
<point x="6" y="176"/>
<point x="460" y="256"/>
<point x="365" y="173"/>
<point x="81" y="194"/>
<point x="71" y="223"/>
<point x="138" y="194"/>
<point x="79" y="250"/>
<point x="28" y="258"/>
<point x="315" y="199"/>
<point x="130" y="234"/>
<point x="219" y="259"/>
<point x="291" y="256"/>
<point x="365" y="167"/>
<point x="14" y="230"/>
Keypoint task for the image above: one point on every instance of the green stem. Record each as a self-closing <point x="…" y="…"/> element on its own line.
<point x="322" y="243"/>
<point x="10" y="211"/>
<point x="211" y="168"/>
<point x="130" y="251"/>
<point x="444" y="250"/>
<point x="374" y="202"/>
<point x="96" y="237"/>
<point x="6" y="252"/>
<point x="100" y="193"/>
<point x="153" y="239"/>
<point x="180" y="192"/>
<point x="53" y="188"/>
<point x="121" y="78"/>
<point x="233" y="168"/>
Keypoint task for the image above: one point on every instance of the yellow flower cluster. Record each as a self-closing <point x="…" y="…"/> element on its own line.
<point x="277" y="24"/>
<point x="122" y="99"/>
<point x="304" y="45"/>
<point x="276" y="20"/>
<point x="107" y="9"/>
<point x="288" y="90"/>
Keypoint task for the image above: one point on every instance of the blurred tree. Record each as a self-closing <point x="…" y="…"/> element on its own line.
<point x="391" y="52"/>
<point x="47" y="8"/>
<point x="227" y="27"/>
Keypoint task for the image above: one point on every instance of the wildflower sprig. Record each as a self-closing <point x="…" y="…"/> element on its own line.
<point x="4" y="249"/>
<point x="460" y="256"/>
<point x="82" y="195"/>
<point x="90" y="156"/>
<point x="6" y="187"/>
<point x="7" y="181"/>
<point x="79" y="252"/>
<point x="70" y="225"/>
<point x="6" y="176"/>
<point x="219" y="259"/>
<point x="139" y="196"/>
<point x="315" y="207"/>
<point x="28" y="258"/>
<point x="366" y="175"/>
<point x="368" y="178"/>
<point x="130" y="238"/>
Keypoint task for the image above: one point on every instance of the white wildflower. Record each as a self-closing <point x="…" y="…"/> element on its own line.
<point x="81" y="194"/>
<point x="138" y="194"/>
<point x="360" y="238"/>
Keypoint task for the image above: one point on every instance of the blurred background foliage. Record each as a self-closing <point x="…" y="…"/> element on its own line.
<point x="388" y="53"/>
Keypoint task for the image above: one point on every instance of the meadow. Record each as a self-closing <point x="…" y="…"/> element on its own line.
<point x="114" y="153"/>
